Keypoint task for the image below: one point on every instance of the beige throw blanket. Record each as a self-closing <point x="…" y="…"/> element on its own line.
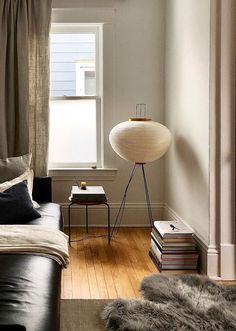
<point x="35" y="239"/>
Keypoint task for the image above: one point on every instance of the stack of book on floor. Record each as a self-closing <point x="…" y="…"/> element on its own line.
<point x="173" y="246"/>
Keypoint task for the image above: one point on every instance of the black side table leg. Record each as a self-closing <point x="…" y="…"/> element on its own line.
<point x="69" y="223"/>
<point x="86" y="218"/>
<point x="108" y="223"/>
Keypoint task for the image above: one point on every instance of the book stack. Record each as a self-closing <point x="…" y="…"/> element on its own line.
<point x="173" y="246"/>
<point x="88" y="195"/>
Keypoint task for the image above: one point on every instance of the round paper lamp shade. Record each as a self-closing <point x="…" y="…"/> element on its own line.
<point x="140" y="141"/>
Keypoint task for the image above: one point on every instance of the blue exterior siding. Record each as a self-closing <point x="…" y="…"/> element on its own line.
<point x="65" y="51"/>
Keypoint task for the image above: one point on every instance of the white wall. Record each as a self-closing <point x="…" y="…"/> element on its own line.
<point x="200" y="112"/>
<point x="187" y="111"/>
<point x="133" y="73"/>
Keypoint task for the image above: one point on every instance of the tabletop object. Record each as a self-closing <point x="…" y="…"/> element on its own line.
<point x="91" y="194"/>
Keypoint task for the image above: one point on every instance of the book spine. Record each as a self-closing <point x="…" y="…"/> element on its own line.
<point x="183" y="257"/>
<point x="156" y="250"/>
<point x="156" y="242"/>
<point x="155" y="260"/>
<point x="162" y="267"/>
<point x="169" y="256"/>
<point x="157" y="235"/>
<point x="174" y="247"/>
<point x="178" y="240"/>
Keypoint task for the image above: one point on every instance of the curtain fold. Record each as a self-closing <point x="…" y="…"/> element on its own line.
<point x="24" y="80"/>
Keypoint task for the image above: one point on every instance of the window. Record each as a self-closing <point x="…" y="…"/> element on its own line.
<point x="75" y="96"/>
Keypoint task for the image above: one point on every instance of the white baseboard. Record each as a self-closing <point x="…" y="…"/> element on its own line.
<point x="227" y="266"/>
<point x="135" y="214"/>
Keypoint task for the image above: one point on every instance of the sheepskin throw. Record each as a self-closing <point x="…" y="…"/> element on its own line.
<point x="175" y="303"/>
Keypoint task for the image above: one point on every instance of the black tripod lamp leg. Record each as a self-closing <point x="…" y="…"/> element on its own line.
<point x="108" y="223"/>
<point x="147" y="197"/>
<point x="69" y="223"/>
<point x="122" y="205"/>
<point x="86" y="217"/>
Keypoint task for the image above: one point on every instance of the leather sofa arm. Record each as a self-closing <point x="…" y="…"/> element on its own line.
<point x="12" y="327"/>
<point x="42" y="189"/>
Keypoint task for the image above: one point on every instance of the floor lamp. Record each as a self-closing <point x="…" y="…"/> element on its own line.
<point x="139" y="140"/>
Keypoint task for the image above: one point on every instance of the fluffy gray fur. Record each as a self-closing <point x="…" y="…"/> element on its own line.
<point x="183" y="303"/>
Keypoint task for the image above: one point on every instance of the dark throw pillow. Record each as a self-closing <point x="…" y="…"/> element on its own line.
<point x="16" y="205"/>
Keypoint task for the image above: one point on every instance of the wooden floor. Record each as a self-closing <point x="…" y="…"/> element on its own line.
<point x="100" y="271"/>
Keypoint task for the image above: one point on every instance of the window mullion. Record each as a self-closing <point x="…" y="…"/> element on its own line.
<point x="91" y="97"/>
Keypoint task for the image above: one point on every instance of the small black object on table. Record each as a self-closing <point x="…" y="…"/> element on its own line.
<point x="91" y="196"/>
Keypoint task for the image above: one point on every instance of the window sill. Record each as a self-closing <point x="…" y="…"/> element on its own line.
<point x="68" y="174"/>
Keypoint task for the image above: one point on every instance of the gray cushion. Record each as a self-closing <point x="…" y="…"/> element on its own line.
<point x="13" y="167"/>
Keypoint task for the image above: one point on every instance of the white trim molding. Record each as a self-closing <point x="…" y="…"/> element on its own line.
<point x="227" y="261"/>
<point x="227" y="138"/>
<point x="222" y="138"/>
<point x="101" y="174"/>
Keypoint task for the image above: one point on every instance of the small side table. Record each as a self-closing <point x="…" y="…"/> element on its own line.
<point x="76" y="201"/>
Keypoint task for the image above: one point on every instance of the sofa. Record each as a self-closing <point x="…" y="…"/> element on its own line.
<point x="30" y="284"/>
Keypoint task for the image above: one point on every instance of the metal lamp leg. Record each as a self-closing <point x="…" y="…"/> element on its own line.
<point x="69" y="223"/>
<point x="108" y="223"/>
<point x="86" y="217"/>
<point x="122" y="205"/>
<point x="147" y="197"/>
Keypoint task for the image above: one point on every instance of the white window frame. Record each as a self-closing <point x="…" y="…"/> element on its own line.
<point x="81" y="68"/>
<point x="97" y="29"/>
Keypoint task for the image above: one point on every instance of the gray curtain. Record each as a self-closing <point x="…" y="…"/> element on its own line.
<point x="24" y="80"/>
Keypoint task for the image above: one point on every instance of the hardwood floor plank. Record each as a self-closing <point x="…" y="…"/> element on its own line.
<point x="93" y="284"/>
<point x="97" y="258"/>
<point x="67" y="288"/>
<point x="142" y="239"/>
<point x="136" y="253"/>
<point x="108" y="266"/>
<point x="102" y="288"/>
<point x="80" y="283"/>
<point x="74" y="260"/>
<point x="125" y="279"/>
<point x="136" y="261"/>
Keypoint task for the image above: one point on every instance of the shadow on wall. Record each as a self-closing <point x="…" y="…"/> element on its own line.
<point x="195" y="186"/>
